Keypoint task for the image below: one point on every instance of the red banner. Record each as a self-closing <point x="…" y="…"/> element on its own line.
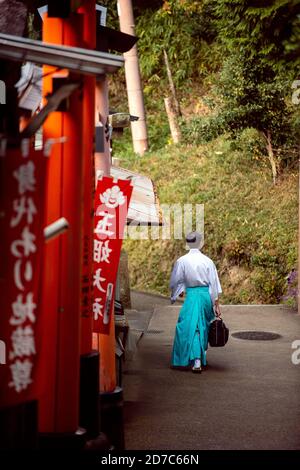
<point x="111" y="207"/>
<point x="22" y="209"/>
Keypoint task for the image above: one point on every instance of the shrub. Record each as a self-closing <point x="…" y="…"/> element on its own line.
<point x="291" y="295"/>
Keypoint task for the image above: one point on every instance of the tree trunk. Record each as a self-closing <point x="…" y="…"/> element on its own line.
<point x="271" y="157"/>
<point x="172" y="86"/>
<point x="173" y="120"/>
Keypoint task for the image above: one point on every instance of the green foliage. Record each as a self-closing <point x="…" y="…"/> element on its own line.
<point x="267" y="31"/>
<point x="159" y="136"/>
<point x="239" y="54"/>
<point x="201" y="129"/>
<point x="291" y="293"/>
<point x="252" y="96"/>
<point x="250" y="225"/>
<point x="251" y="90"/>
<point x="184" y="30"/>
<point x="250" y="142"/>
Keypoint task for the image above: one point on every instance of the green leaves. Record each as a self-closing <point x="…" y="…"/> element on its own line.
<point x="268" y="30"/>
<point x="250" y="226"/>
<point x="252" y="90"/>
<point x="184" y="29"/>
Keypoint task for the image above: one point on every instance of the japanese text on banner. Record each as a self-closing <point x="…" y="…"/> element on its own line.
<point x="22" y="206"/>
<point x="111" y="207"/>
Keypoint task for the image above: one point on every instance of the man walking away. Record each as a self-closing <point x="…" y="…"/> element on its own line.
<point x="195" y="274"/>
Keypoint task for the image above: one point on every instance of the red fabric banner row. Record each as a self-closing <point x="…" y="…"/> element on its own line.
<point x="111" y="207"/>
<point x="22" y="210"/>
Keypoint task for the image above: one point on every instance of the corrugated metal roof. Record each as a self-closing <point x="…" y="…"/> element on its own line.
<point x="144" y="206"/>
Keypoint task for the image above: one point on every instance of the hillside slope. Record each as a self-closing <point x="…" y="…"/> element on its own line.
<point x="250" y="225"/>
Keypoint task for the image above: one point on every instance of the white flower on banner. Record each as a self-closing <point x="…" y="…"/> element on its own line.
<point x="23" y="311"/>
<point x="97" y="309"/>
<point x="101" y="251"/>
<point x="23" y="342"/>
<point x="21" y="375"/>
<point x="25" y="176"/>
<point x="113" y="197"/>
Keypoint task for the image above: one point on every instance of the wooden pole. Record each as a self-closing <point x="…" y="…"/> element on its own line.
<point x="89" y="416"/>
<point x="61" y="300"/>
<point x="102" y="156"/>
<point x="89" y="83"/>
<point x="133" y="81"/>
<point x="105" y="344"/>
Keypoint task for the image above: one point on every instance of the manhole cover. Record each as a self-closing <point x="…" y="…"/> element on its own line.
<point x="154" y="332"/>
<point x="256" y="335"/>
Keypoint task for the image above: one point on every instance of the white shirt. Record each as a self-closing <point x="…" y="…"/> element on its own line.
<point x="194" y="269"/>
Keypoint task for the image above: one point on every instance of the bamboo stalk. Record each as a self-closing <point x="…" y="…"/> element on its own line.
<point x="173" y="120"/>
<point x="171" y="84"/>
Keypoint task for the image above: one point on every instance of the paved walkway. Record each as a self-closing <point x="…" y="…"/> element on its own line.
<point x="248" y="398"/>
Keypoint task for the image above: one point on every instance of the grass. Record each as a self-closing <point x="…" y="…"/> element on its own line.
<point x="250" y="225"/>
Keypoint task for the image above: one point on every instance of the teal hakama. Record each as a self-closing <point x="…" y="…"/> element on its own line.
<point x="191" y="336"/>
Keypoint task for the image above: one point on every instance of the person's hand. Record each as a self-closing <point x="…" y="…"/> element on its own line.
<point x="217" y="310"/>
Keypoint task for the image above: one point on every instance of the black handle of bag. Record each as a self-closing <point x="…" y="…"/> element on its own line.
<point x="218" y="317"/>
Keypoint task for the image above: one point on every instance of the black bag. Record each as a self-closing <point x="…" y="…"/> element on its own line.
<point x="218" y="333"/>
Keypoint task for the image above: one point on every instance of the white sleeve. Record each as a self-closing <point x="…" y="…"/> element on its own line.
<point x="177" y="280"/>
<point x="214" y="283"/>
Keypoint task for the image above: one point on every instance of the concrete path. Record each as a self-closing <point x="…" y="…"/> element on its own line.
<point x="143" y="305"/>
<point x="248" y="398"/>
